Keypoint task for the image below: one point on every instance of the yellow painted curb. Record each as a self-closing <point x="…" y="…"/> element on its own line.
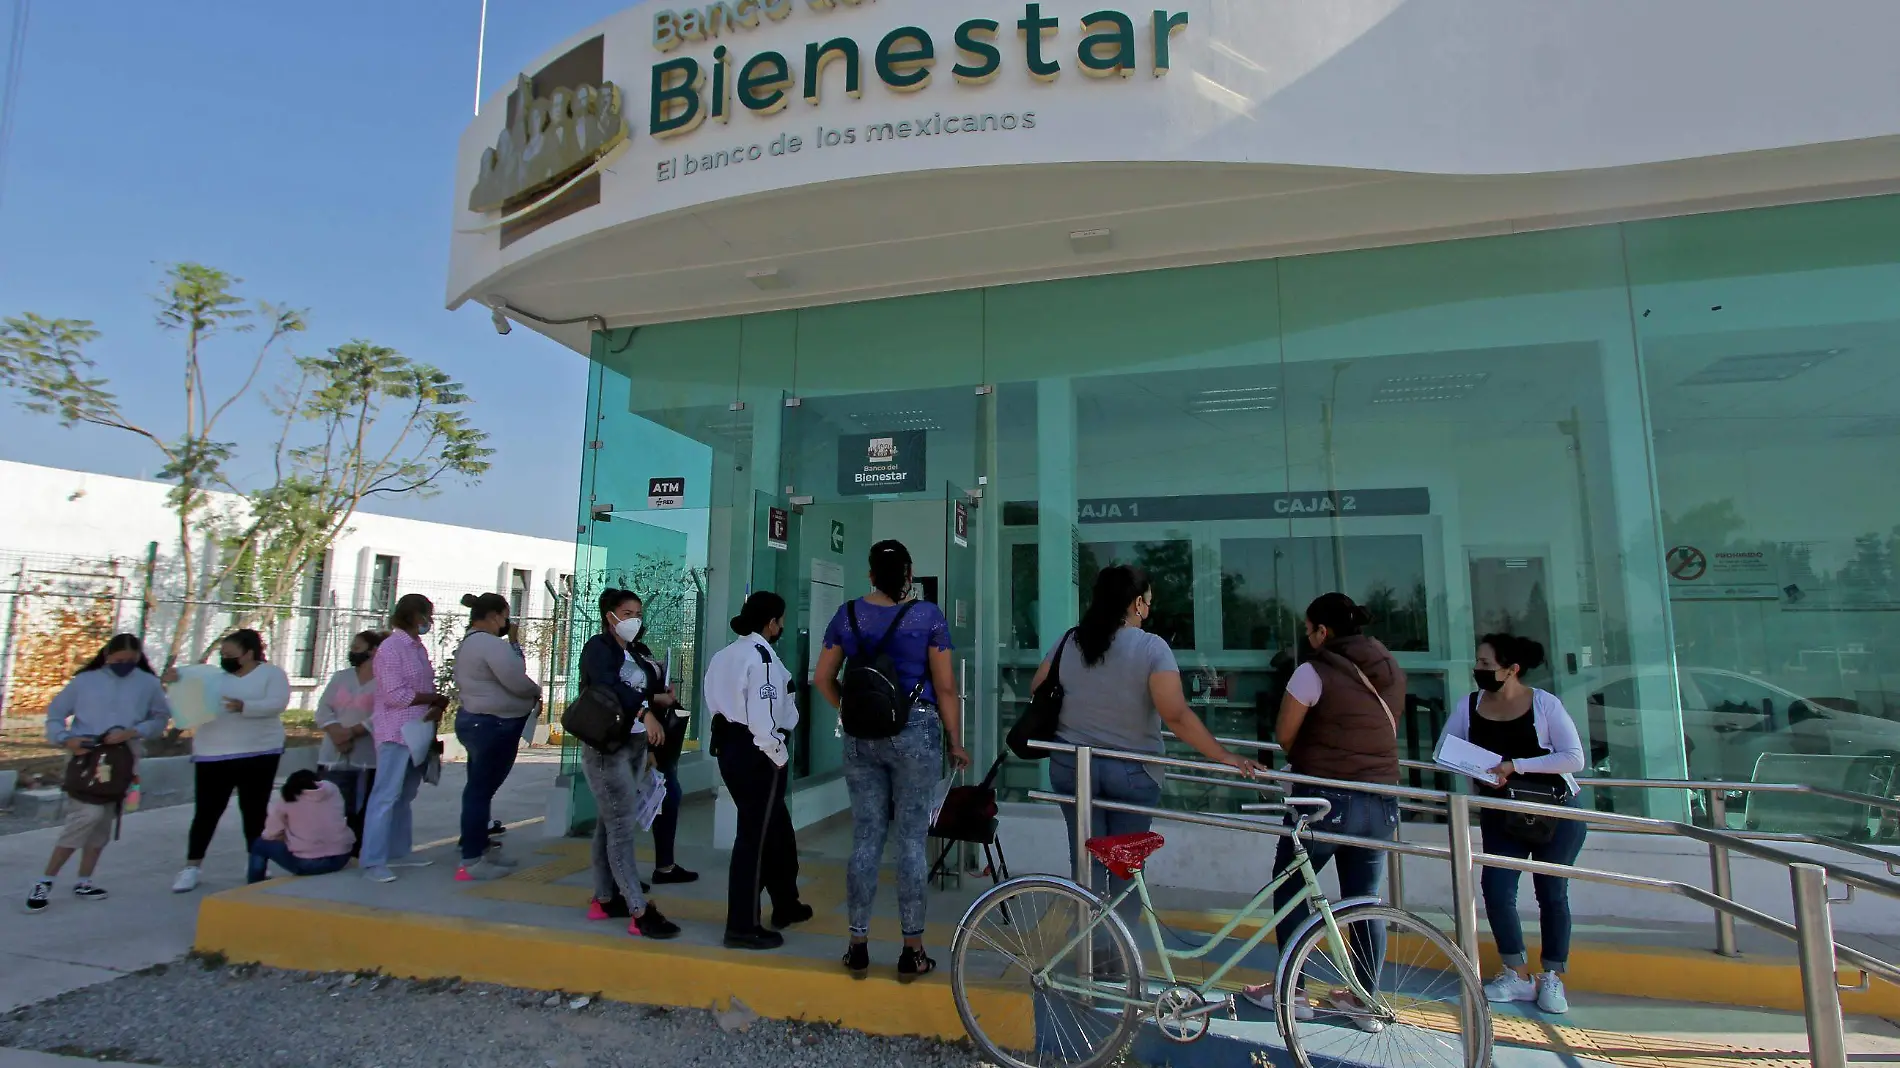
<point x="282" y="931"/>
<point x="1651" y="972"/>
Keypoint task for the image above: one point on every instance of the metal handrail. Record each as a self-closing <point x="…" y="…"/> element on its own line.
<point x="1720" y="870"/>
<point x="1812" y="929"/>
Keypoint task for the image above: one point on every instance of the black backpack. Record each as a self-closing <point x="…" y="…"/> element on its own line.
<point x="873" y="706"/>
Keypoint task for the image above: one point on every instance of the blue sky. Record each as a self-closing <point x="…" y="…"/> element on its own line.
<point x="307" y="148"/>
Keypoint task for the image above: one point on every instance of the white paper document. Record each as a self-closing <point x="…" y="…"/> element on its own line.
<point x="196" y="697"/>
<point x="1456" y="754"/>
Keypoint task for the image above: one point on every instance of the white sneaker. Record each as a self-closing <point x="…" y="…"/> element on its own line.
<point x="1510" y="986"/>
<point x="187" y="880"/>
<point x="379" y="875"/>
<point x="495" y="856"/>
<point x="1550" y="994"/>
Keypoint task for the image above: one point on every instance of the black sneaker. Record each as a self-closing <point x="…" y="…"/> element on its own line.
<point x="652" y="925"/>
<point x="914" y="963"/>
<point x="796" y="912"/>
<point x="675" y="874"/>
<point x="496" y="830"/>
<point x="758" y="938"/>
<point x="857" y="959"/>
<point x="39" y="897"/>
<point x="89" y="892"/>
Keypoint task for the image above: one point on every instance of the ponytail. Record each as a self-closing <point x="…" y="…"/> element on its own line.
<point x="1338" y="614"/>
<point x="1116" y="588"/>
<point x="890" y="570"/>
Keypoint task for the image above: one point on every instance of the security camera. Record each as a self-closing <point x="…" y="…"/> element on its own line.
<point x="502" y="325"/>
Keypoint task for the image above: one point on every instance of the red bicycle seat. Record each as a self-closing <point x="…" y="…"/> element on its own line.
<point x="1124" y="854"/>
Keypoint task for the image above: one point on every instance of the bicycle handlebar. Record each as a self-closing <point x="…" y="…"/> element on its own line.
<point x="1319" y="805"/>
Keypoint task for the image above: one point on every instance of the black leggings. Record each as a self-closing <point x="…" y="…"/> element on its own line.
<point x="251" y="777"/>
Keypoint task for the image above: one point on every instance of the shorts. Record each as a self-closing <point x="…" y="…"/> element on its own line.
<point x="87" y="826"/>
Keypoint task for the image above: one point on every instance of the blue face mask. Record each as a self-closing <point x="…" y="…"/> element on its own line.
<point x="122" y="670"/>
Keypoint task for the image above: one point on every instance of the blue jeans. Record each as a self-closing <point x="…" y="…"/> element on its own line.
<point x="492" y="743"/>
<point x="388" y="830"/>
<point x="1361" y="870"/>
<point x="1553" y="893"/>
<point x="266" y="850"/>
<point x="891" y="780"/>
<point x="1114" y="780"/>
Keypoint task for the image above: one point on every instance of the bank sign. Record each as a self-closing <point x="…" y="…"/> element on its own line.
<point x="688" y="92"/>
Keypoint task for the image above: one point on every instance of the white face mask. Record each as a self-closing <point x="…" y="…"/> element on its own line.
<point x="629" y="629"/>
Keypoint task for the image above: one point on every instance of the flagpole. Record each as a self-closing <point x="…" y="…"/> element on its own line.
<point x="481" y="41"/>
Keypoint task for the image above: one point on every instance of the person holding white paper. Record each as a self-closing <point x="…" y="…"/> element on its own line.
<point x="237" y="752"/>
<point x="1539" y="750"/>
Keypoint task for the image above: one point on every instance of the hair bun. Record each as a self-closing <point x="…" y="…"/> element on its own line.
<point x="1361" y="616"/>
<point x="738" y="625"/>
<point x="470" y="600"/>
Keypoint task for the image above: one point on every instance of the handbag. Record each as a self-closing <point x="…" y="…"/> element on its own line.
<point x="101" y="775"/>
<point x="598" y="720"/>
<point x="1039" y="721"/>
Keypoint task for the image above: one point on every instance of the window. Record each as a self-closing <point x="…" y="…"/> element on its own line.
<point x="310" y="622"/>
<point x="518" y="596"/>
<point x="1266" y="584"/>
<point x="384" y="574"/>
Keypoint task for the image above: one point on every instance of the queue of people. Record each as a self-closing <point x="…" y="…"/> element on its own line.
<point x="885" y="664"/>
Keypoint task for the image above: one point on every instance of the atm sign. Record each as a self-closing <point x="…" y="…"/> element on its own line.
<point x="666" y="493"/>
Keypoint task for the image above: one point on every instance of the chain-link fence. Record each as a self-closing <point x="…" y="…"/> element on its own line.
<point x="57" y="611"/>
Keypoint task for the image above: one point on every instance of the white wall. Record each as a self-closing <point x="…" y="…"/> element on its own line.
<point x="59" y="522"/>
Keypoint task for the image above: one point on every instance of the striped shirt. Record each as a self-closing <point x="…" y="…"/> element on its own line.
<point x="403" y="673"/>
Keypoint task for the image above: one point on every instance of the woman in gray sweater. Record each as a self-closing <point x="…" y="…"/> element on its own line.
<point x="497" y="696"/>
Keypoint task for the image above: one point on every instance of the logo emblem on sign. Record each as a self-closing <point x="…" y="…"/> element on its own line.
<point x="551" y="139"/>
<point x="881" y="451"/>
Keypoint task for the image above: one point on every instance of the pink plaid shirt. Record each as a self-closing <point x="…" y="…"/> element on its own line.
<point x="403" y="673"/>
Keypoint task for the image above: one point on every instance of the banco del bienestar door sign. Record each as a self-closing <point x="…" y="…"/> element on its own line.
<point x="688" y="91"/>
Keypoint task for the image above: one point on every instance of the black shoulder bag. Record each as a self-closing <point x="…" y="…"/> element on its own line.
<point x="1039" y="721"/>
<point x="1536" y="830"/>
<point x="872" y="705"/>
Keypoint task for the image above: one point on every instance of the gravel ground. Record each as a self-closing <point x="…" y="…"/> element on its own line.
<point x="201" y="1013"/>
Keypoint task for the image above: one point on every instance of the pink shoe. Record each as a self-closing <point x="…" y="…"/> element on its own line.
<point x="633" y="928"/>
<point x="596" y="912"/>
<point x="462" y="875"/>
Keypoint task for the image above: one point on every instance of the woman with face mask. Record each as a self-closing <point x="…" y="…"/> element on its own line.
<point x="405" y="694"/>
<point x="1541" y="750"/>
<point x="749" y="696"/>
<point x="347" y="758"/>
<point x="114" y="700"/>
<point x="616" y="659"/>
<point x="237" y="752"/>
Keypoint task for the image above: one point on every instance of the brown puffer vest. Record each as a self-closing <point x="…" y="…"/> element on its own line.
<point x="1348" y="735"/>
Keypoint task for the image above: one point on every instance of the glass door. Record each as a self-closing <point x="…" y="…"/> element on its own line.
<point x="959" y="600"/>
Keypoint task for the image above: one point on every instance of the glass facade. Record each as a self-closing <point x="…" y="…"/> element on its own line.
<point x="1655" y="446"/>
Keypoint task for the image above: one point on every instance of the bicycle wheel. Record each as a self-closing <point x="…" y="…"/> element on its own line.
<point x="1428" y="1005"/>
<point x="1024" y="1001"/>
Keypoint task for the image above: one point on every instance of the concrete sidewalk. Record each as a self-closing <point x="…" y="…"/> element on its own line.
<point x="22" y="1058"/>
<point x="77" y="943"/>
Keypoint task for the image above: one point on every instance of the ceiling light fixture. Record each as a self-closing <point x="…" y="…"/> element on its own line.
<point x="1088" y="242"/>
<point x="767" y="279"/>
<point x="1416" y="389"/>
<point x="1760" y="367"/>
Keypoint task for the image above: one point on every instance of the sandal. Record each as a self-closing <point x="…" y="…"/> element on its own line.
<point x="914" y="963"/>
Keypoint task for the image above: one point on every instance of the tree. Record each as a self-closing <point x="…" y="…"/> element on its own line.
<point x="361" y="422"/>
<point x="45" y="359"/>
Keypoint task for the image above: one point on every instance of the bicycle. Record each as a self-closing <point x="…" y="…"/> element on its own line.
<point x="1089" y="997"/>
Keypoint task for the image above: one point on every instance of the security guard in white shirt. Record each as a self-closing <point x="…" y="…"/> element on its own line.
<point x="749" y="693"/>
